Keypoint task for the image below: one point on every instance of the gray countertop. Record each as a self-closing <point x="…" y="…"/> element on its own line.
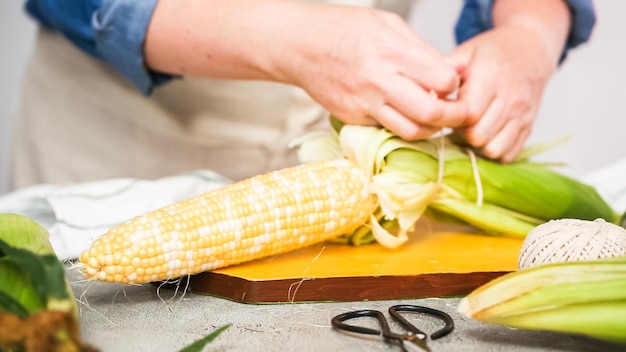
<point x="119" y="318"/>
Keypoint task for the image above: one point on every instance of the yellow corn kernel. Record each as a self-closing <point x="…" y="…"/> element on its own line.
<point x="255" y="218"/>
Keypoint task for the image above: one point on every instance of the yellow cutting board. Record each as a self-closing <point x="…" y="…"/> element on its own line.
<point x="430" y="264"/>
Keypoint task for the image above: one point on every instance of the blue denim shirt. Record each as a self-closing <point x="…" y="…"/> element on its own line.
<point x="114" y="30"/>
<point x="476" y="18"/>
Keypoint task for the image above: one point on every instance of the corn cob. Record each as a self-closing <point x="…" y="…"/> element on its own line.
<point x="255" y="218"/>
<point x="585" y="297"/>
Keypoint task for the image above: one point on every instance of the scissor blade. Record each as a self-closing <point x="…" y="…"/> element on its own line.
<point x="415" y="345"/>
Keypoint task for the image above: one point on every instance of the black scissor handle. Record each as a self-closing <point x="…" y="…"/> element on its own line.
<point x="397" y="339"/>
<point x="338" y="322"/>
<point x="443" y="316"/>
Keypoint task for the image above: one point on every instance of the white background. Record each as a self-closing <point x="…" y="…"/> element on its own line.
<point x="583" y="101"/>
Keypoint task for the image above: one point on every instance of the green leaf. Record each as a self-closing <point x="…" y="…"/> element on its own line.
<point x="22" y="232"/>
<point x="585" y="297"/>
<point x="201" y="343"/>
<point x="31" y="273"/>
<point x="10" y="305"/>
<point x="39" y="270"/>
<point x="16" y="284"/>
<point x="55" y="277"/>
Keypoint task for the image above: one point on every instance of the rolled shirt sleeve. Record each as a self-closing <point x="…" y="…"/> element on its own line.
<point x="110" y="30"/>
<point x="476" y="17"/>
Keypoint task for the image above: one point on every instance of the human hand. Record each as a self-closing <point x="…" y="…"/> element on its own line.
<point x="504" y="72"/>
<point x="503" y="78"/>
<point x="368" y="67"/>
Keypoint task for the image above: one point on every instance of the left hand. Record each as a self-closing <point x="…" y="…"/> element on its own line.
<point x="503" y="74"/>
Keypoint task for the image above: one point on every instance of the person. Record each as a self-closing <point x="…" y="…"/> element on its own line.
<point x="122" y="88"/>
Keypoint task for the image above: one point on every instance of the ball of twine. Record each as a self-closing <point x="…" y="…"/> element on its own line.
<point x="567" y="240"/>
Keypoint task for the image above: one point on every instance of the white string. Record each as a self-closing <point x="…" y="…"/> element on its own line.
<point x="441" y="156"/>
<point x="291" y="296"/>
<point x="477" y="180"/>
<point x="567" y="240"/>
<point x="440" y="150"/>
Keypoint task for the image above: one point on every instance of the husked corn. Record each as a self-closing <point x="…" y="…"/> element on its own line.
<point x="255" y="218"/>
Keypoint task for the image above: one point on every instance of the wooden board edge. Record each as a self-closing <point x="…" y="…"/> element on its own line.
<point x="339" y="289"/>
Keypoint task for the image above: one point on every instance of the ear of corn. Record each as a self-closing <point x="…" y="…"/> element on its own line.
<point x="585" y="297"/>
<point x="251" y="219"/>
<point x="38" y="311"/>
<point x="33" y="278"/>
<point x="445" y="181"/>
<point x="377" y="186"/>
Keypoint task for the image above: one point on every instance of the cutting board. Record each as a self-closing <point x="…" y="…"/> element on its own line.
<point x="430" y="264"/>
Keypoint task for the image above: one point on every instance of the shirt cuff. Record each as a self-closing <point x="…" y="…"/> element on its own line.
<point x="120" y="28"/>
<point x="476" y="17"/>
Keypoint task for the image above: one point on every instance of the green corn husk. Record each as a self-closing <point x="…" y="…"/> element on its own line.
<point x="583" y="297"/>
<point x="446" y="182"/>
<point x="37" y="306"/>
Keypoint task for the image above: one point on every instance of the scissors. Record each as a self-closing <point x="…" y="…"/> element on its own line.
<point x="408" y="341"/>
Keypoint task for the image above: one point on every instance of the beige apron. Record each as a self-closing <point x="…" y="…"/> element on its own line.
<point x="80" y="121"/>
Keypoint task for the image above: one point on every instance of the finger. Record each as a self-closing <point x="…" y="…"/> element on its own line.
<point x="476" y="89"/>
<point x="489" y="125"/>
<point x="423" y="64"/>
<point x="460" y="69"/>
<point x="432" y="73"/>
<point x="460" y="58"/>
<point x="357" y="120"/>
<point x="422" y="108"/>
<point x="505" y="142"/>
<point x="402" y="126"/>
<point x="518" y="146"/>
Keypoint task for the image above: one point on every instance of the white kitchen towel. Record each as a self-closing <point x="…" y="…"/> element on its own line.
<point x="610" y="182"/>
<point x="77" y="214"/>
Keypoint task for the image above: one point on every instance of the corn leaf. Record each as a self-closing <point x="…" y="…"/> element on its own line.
<point x="584" y="297"/>
<point x="198" y="345"/>
<point x="13" y="306"/>
<point x="34" y="275"/>
<point x="37" y="306"/>
<point x="436" y="177"/>
<point x="37" y="281"/>
<point x="17" y="295"/>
